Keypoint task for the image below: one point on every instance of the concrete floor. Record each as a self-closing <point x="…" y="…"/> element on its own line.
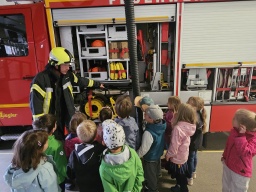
<point x="209" y="170"/>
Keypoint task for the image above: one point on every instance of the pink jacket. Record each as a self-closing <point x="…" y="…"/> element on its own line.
<point x="180" y="140"/>
<point x="239" y="151"/>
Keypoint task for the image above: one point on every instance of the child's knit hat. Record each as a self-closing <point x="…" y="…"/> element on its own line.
<point x="113" y="134"/>
<point x="154" y="112"/>
<point x="143" y="102"/>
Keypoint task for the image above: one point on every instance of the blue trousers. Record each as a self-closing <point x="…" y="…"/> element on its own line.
<point x="192" y="162"/>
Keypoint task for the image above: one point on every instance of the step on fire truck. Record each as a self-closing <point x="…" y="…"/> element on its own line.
<point x="186" y="48"/>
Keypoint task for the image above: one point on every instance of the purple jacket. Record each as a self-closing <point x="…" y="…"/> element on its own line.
<point x="69" y="145"/>
<point x="239" y="151"/>
<point x="168" y="131"/>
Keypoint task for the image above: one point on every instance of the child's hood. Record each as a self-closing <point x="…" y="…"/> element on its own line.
<point x="17" y="178"/>
<point x="85" y="152"/>
<point x="250" y="134"/>
<point x="122" y="172"/>
<point x="188" y="128"/>
<point x="158" y="128"/>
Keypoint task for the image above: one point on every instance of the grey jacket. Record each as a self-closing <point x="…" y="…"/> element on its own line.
<point x="131" y="130"/>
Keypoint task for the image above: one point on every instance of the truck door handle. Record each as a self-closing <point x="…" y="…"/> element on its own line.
<point x="28" y="77"/>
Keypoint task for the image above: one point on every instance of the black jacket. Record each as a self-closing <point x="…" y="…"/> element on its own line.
<point x="83" y="165"/>
<point x="50" y="93"/>
<point x="196" y="139"/>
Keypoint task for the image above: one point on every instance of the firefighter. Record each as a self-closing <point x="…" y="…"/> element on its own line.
<point x="51" y="89"/>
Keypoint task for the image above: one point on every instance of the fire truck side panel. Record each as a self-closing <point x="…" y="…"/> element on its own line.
<point x="217" y="57"/>
<point x="41" y="35"/>
<point x="106" y="3"/>
<point x="19" y="116"/>
<point x="110" y="15"/>
<point x="218" y="33"/>
<point x="24" y="41"/>
<point x="222" y="115"/>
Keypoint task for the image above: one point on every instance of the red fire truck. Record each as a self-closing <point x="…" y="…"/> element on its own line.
<point x="186" y="48"/>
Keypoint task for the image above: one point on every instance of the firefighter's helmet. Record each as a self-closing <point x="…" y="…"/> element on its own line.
<point x="60" y="55"/>
<point x="98" y="43"/>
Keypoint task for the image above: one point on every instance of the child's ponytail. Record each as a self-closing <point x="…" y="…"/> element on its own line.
<point x="203" y="115"/>
<point x="198" y="103"/>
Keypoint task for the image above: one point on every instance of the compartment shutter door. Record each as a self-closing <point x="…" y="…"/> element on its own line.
<point x="220" y="33"/>
<point x="110" y="15"/>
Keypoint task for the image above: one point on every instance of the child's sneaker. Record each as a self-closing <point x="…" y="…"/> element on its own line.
<point x="190" y="181"/>
<point x="175" y="188"/>
<point x="70" y="186"/>
<point x="194" y="175"/>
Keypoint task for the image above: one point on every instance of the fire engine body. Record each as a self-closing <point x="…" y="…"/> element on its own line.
<point x="186" y="48"/>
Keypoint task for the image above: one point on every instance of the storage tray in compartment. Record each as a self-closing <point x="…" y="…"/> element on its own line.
<point x="117" y="31"/>
<point x="94" y="51"/>
<point x="91" y="28"/>
<point x="96" y="75"/>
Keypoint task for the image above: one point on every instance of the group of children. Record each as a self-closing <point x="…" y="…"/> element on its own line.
<point x="113" y="156"/>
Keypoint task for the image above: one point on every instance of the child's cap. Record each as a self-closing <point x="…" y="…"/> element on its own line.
<point x="113" y="134"/>
<point x="140" y="101"/>
<point x="154" y="112"/>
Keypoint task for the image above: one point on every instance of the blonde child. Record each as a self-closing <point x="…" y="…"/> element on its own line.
<point x="173" y="105"/>
<point x="239" y="151"/>
<point x="55" y="149"/>
<point x="121" y="168"/>
<point x="84" y="161"/>
<point x="30" y="170"/>
<point x="196" y="140"/>
<point x="123" y="109"/>
<point x="177" y="154"/>
<point x="105" y="113"/>
<point x="72" y="138"/>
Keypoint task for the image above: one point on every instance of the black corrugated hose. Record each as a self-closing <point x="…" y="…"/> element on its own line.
<point x="132" y="46"/>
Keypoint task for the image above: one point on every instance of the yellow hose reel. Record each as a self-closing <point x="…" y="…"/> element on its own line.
<point x="96" y="105"/>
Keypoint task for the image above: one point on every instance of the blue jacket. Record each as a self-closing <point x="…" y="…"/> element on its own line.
<point x="42" y="179"/>
<point x="157" y="148"/>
